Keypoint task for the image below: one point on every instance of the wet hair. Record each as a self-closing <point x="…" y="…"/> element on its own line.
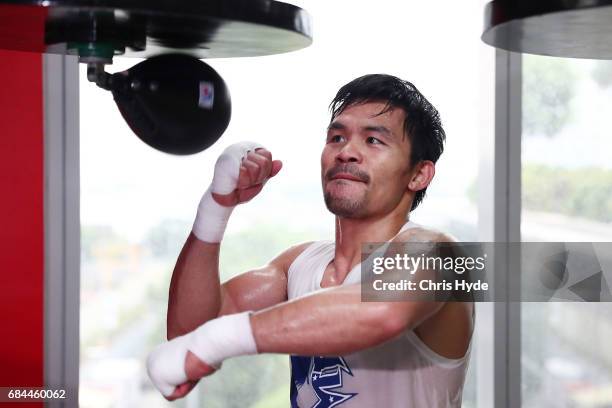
<point x="422" y="123"/>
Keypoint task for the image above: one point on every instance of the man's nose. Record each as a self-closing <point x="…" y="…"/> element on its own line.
<point x="349" y="152"/>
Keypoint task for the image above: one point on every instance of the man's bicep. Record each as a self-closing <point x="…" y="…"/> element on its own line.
<point x="253" y="290"/>
<point x="259" y="288"/>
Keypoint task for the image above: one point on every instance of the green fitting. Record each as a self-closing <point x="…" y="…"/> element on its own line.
<point x="102" y="51"/>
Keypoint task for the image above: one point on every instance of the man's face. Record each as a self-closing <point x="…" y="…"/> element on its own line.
<point x="365" y="163"/>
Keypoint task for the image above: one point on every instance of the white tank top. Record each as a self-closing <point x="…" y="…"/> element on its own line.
<point x="403" y="372"/>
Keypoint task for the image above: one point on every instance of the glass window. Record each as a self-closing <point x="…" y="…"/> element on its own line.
<point x="138" y="204"/>
<point x="567" y="197"/>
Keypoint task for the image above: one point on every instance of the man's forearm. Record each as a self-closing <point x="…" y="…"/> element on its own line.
<point x="195" y="291"/>
<point x="195" y="294"/>
<point x="333" y="322"/>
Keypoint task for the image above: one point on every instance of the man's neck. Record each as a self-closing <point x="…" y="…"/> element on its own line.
<point x="352" y="233"/>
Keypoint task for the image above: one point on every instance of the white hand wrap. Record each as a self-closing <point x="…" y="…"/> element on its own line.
<point x="222" y="338"/>
<point x="212" y="217"/>
<point x="214" y="341"/>
<point x="166" y="365"/>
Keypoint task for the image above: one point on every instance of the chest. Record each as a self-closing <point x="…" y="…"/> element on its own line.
<point x="329" y="278"/>
<point x="332" y="276"/>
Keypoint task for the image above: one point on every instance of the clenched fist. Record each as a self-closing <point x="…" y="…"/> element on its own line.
<point x="255" y="169"/>
<point x="240" y="173"/>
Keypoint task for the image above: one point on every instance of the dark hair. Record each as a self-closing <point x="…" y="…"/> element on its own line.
<point x="422" y="123"/>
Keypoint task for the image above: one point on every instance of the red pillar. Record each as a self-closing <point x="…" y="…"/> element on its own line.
<point x="21" y="221"/>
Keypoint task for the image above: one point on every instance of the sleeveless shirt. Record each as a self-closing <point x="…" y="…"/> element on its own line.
<point x="402" y="372"/>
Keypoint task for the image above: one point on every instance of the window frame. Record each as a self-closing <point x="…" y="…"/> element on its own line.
<point x="62" y="227"/>
<point x="498" y="333"/>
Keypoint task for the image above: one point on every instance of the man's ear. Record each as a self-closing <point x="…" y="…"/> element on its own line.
<point x="422" y="175"/>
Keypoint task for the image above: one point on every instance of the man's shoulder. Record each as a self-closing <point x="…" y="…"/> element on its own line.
<point x="447" y="332"/>
<point x="286" y="258"/>
<point x="422" y="233"/>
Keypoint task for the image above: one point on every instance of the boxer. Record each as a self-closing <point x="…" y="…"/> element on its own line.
<point x="382" y="144"/>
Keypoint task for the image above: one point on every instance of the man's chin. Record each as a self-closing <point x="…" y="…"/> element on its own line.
<point x="343" y="207"/>
<point x="346" y="213"/>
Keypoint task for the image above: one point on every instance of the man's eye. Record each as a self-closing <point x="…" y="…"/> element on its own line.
<point x="335" y="138"/>
<point x="374" y="140"/>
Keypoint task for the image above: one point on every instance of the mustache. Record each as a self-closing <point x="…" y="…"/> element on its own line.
<point x="349" y="169"/>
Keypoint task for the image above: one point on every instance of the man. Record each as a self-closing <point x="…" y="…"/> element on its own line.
<point x="379" y="157"/>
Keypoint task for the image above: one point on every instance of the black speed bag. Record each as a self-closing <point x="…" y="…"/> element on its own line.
<point x="173" y="102"/>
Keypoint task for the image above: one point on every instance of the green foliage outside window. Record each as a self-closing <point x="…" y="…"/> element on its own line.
<point x="582" y="192"/>
<point x="549" y="85"/>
